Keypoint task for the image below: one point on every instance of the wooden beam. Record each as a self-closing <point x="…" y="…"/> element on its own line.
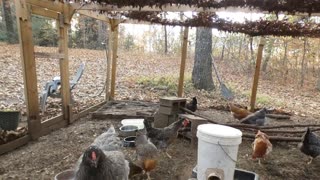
<point x="94" y="14"/>
<point x="109" y="55"/>
<point x="88" y="110"/>
<point x="50" y="5"/>
<point x="51" y="121"/>
<point x="256" y="74"/>
<point x="44" y="12"/>
<point x="48" y="129"/>
<point x="4" y="148"/>
<point x="114" y="24"/>
<point x="64" y="67"/>
<point x="29" y="67"/>
<point x="183" y="60"/>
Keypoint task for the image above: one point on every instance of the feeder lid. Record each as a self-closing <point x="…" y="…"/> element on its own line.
<point x="218" y="133"/>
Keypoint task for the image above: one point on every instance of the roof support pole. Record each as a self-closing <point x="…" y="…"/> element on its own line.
<point x="64" y="68"/>
<point x="29" y="67"/>
<point x="114" y="23"/>
<point x="184" y="48"/>
<point x="256" y="74"/>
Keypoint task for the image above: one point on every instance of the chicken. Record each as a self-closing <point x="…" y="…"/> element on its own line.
<point x="261" y="146"/>
<point x="192" y="106"/>
<point x="163" y="137"/>
<point x="147" y="153"/>
<point x="103" y="159"/>
<point x="238" y="113"/>
<point x="310" y="145"/>
<point x="257" y="118"/>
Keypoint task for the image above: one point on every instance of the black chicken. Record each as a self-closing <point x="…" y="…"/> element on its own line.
<point x="192" y="105"/>
<point x="162" y="137"/>
<point x="103" y="159"/>
<point x="257" y="118"/>
<point x="93" y="165"/>
<point x="310" y="145"/>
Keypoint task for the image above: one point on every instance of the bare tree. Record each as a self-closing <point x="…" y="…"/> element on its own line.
<point x="202" y="69"/>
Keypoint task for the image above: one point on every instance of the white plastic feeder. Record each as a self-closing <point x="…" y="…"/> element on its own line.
<point x="133" y="122"/>
<point x="217" y="148"/>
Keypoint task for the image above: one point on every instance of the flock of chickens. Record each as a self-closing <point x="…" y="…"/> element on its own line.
<point x="103" y="159"/>
<point x="310" y="144"/>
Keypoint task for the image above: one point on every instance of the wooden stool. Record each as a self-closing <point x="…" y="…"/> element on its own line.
<point x="195" y="122"/>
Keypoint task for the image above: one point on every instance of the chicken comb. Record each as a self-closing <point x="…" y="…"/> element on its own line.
<point x="93" y="155"/>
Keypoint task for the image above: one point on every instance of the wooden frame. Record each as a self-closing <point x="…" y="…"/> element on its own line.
<point x="184" y="48"/>
<point x="256" y="74"/>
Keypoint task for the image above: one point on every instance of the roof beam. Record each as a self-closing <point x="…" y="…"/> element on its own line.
<point x="51" y="5"/>
<point x="94" y="14"/>
<point x="44" y="12"/>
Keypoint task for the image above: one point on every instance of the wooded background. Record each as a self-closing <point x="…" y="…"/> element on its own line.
<point x="286" y="60"/>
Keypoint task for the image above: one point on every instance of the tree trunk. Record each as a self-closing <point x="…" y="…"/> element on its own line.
<point x="223" y="48"/>
<point x="202" y="69"/>
<point x="6" y="9"/>
<point x="269" y="50"/>
<point x="303" y="64"/>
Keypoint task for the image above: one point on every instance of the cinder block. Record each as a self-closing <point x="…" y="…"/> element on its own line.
<point x="160" y="120"/>
<point x="172" y="101"/>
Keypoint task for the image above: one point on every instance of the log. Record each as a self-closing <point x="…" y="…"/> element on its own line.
<point x="196" y="114"/>
<point x="275" y="138"/>
<point x="277" y="116"/>
<point x="282" y="131"/>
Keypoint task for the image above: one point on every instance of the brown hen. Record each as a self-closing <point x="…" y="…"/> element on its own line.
<point x="261" y="146"/>
<point x="237" y="112"/>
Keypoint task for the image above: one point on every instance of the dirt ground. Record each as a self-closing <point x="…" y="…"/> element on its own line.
<point x="60" y="150"/>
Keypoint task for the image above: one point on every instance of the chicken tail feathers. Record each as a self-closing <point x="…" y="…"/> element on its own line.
<point x="108" y="141"/>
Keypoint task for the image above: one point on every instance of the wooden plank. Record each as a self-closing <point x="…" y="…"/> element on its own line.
<point x="94" y="14"/>
<point x="44" y="12"/>
<point x="64" y="67"/>
<point x="29" y="67"/>
<point x="183" y="60"/>
<point x="49" y="55"/>
<point x="49" y="129"/>
<point x="256" y="74"/>
<point x="4" y="148"/>
<point x="51" y="121"/>
<point x="87" y="111"/>
<point x="115" y="29"/>
<point x="109" y="55"/>
<point x="51" y="5"/>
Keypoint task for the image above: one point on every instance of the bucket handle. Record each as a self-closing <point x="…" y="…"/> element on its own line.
<point x="226" y="152"/>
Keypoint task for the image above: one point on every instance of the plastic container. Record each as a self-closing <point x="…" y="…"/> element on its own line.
<point x="129" y="141"/>
<point x="217" y="148"/>
<point x="65" y="175"/>
<point x="239" y="174"/>
<point x="128" y="130"/>
<point x="134" y="122"/>
<point x="9" y="120"/>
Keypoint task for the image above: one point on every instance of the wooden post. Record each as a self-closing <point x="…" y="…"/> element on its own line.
<point x="109" y="55"/>
<point x="29" y="67"/>
<point x="183" y="60"/>
<point x="64" y="68"/>
<point x="256" y="74"/>
<point x="115" y="30"/>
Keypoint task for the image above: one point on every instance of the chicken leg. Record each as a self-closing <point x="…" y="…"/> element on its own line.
<point x="310" y="161"/>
